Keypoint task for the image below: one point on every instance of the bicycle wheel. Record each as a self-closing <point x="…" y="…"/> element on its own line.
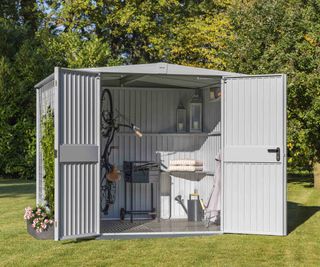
<point x="107" y="114"/>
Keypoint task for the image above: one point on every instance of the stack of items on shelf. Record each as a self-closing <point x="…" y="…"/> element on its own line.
<point x="185" y="165"/>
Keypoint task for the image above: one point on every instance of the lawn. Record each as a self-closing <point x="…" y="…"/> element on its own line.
<point x="300" y="247"/>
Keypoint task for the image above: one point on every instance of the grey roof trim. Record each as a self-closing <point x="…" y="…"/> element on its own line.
<point x="150" y="69"/>
<point x="160" y="68"/>
<point x="44" y="81"/>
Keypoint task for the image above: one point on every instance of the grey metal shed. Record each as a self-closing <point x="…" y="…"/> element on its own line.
<point x="247" y="124"/>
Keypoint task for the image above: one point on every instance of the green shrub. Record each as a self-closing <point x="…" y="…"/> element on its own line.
<point x="47" y="144"/>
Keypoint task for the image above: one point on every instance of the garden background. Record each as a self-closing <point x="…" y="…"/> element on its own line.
<point x="252" y="36"/>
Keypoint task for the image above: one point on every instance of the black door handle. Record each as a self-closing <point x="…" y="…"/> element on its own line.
<point x="275" y="150"/>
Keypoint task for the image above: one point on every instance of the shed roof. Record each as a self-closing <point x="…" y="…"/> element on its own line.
<point x="156" y="75"/>
<point x="160" y="68"/>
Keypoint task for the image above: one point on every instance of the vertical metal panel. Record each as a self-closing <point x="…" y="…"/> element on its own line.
<point x="154" y="111"/>
<point x="78" y="182"/>
<point x="57" y="135"/>
<point x="45" y="98"/>
<point x="253" y="190"/>
<point x="38" y="129"/>
<point x="151" y="109"/>
<point x="284" y="132"/>
<point x="168" y="146"/>
<point x="212" y="113"/>
<point x="186" y="185"/>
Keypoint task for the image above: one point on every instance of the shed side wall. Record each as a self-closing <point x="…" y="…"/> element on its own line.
<point x="45" y="99"/>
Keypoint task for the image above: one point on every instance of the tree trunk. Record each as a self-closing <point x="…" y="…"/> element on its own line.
<point x="316" y="173"/>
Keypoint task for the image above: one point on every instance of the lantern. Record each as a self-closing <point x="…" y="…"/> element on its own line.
<point x="196" y="113"/>
<point x="181" y="119"/>
<point x="215" y="93"/>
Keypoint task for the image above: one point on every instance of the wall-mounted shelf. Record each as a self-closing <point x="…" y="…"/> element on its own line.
<point x="197" y="175"/>
<point x="213" y="133"/>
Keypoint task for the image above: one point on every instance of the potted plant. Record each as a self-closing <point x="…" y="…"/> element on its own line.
<point x="40" y="219"/>
<point x="39" y="222"/>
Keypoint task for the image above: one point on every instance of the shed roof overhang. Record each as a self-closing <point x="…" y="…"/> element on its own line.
<point x="159" y="75"/>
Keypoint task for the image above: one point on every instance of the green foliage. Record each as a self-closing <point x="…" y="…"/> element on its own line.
<point x="47" y="145"/>
<point x="70" y="49"/>
<point x="250" y="36"/>
<point x="281" y="36"/>
<point x="185" y="32"/>
<point x="22" y="64"/>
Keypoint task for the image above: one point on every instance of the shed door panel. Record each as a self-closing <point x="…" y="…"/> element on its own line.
<point x="78" y="157"/>
<point x="254" y="175"/>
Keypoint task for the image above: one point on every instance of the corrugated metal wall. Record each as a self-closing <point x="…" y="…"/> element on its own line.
<point x="45" y="98"/>
<point x="212" y="111"/>
<point x="79" y="117"/>
<point x="254" y="183"/>
<point x="186" y="184"/>
<point x="154" y="111"/>
<point x="253" y="199"/>
<point x="78" y="214"/>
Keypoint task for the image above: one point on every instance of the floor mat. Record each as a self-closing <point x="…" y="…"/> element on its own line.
<point x="147" y="226"/>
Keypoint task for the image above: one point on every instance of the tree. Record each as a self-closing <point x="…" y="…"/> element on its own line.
<point x="185" y="32"/>
<point x="71" y="49"/>
<point x="281" y="36"/>
<point x="21" y="65"/>
<point x="17" y="108"/>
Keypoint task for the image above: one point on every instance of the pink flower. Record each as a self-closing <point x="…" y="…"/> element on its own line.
<point x="38" y="218"/>
<point x="28" y="213"/>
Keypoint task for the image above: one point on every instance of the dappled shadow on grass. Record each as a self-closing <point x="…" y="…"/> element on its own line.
<point x="79" y="240"/>
<point x="305" y="180"/>
<point x="16" y="190"/>
<point x="298" y="214"/>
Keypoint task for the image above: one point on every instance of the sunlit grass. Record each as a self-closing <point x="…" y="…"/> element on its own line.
<point x="300" y="247"/>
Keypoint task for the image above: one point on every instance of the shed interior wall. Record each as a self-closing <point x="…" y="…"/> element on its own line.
<point x="153" y="110"/>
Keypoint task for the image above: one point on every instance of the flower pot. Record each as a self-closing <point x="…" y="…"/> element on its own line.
<point x="316" y="175"/>
<point x="45" y="235"/>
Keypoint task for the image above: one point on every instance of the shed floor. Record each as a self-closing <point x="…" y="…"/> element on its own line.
<point x="152" y="226"/>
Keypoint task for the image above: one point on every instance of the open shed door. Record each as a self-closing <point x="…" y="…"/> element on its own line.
<point x="77" y="163"/>
<point x="254" y="155"/>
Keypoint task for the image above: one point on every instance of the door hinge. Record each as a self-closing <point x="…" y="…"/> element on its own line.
<point x="55" y="223"/>
<point x="55" y="83"/>
<point x="55" y="153"/>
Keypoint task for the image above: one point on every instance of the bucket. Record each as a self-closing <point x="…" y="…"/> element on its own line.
<point x="195" y="211"/>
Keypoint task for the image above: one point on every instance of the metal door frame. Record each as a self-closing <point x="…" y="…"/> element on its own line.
<point x="57" y="115"/>
<point x="284" y="145"/>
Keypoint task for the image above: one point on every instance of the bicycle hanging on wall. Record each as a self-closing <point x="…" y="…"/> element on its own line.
<point x="110" y="124"/>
